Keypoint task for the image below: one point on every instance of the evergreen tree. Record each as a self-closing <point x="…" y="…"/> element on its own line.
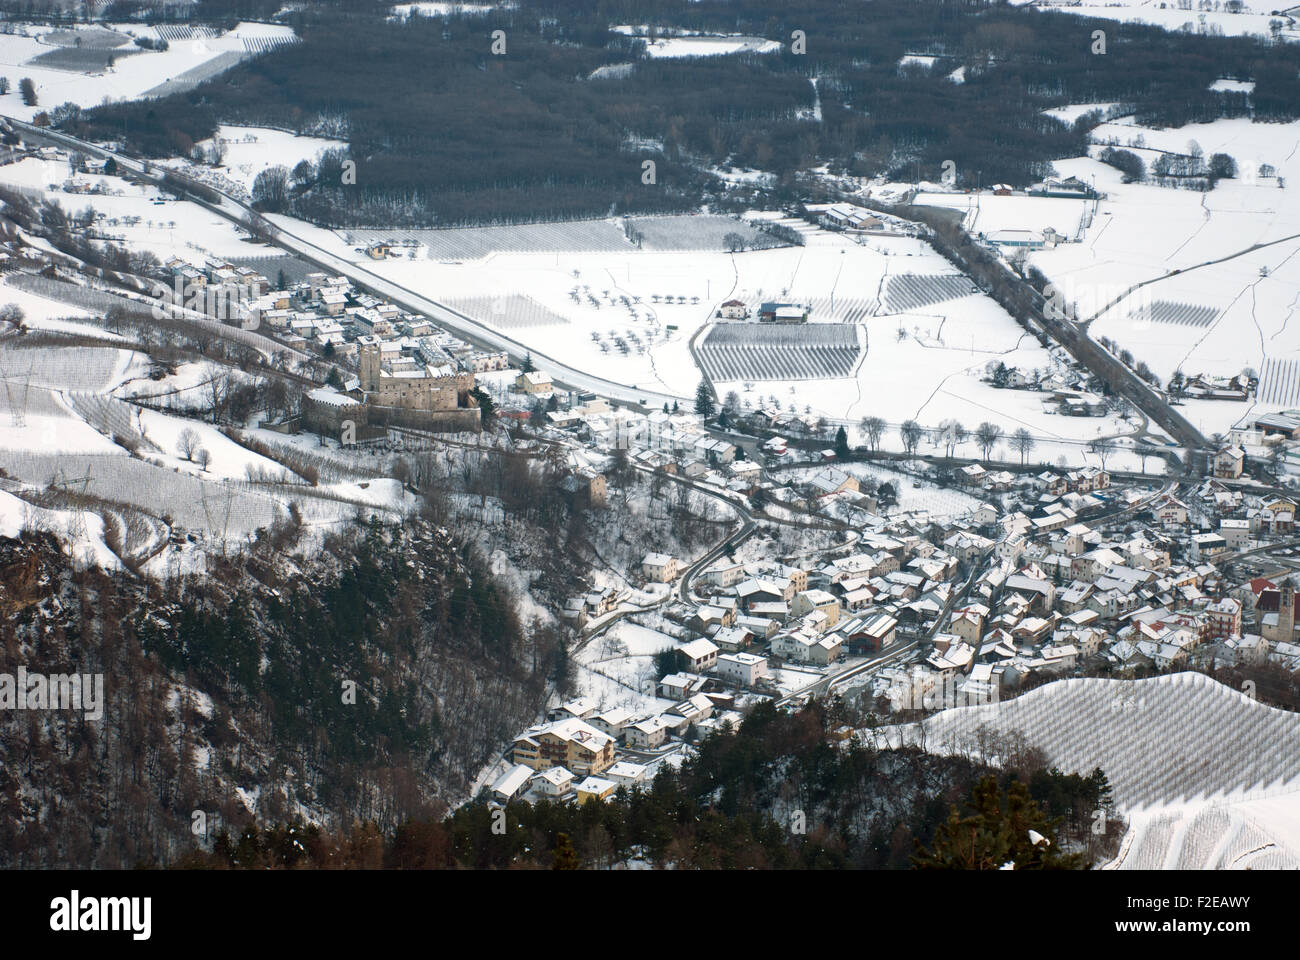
<point x="841" y="444"/>
<point x="999" y="828"/>
<point x="704" y="405"/>
<point x="487" y="407"/>
<point x="566" y="858"/>
<point x="527" y="364"/>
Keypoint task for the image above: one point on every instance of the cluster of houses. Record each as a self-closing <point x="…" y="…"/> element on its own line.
<point x="582" y="753"/>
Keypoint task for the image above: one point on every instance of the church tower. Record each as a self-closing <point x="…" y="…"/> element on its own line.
<point x="1286" y="612"/>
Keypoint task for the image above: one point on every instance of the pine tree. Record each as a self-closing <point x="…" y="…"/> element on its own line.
<point x="996" y="831"/>
<point x="704" y="405"/>
<point x="566" y="858"/>
<point x="527" y="365"/>
<point x="841" y="444"/>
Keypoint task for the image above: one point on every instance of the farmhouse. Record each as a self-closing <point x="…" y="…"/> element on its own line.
<point x="734" y="310"/>
<point x="775" y="312"/>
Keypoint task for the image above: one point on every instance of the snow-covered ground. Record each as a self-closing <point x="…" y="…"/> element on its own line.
<point x="1232" y="250"/>
<point x="1255" y="16"/>
<point x="137" y="216"/>
<point x="250" y="150"/>
<point x="709" y="46"/>
<point x="134" y="72"/>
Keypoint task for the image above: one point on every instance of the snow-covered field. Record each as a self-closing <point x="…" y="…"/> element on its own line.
<point x="134" y="72"/>
<point x="925" y="364"/>
<point x="709" y="46"/>
<point x="250" y="150"/>
<point x="1255" y="17"/>
<point x="1232" y="250"/>
<point x="132" y="214"/>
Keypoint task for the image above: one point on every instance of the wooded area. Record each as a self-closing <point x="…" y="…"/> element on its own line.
<point x="443" y="131"/>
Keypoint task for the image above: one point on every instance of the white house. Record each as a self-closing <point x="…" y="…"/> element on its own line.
<point x="659" y="568"/>
<point x="701" y="654"/>
<point x="742" y="668"/>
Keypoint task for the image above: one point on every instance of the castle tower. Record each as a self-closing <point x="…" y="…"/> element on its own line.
<point x="1286" y="612"/>
<point x="369" y="368"/>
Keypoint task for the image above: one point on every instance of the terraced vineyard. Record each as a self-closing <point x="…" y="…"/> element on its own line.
<point x="810" y="351"/>
<point x="905" y="292"/>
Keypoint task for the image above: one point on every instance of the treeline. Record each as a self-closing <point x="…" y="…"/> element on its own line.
<point x="777" y="793"/>
<point x="443" y="131"/>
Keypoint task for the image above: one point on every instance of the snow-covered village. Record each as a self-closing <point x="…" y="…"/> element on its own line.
<point x="749" y="486"/>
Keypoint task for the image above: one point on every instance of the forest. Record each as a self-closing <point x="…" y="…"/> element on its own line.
<point x="444" y="131"/>
<point x="778" y="793"/>
<point x="368" y="682"/>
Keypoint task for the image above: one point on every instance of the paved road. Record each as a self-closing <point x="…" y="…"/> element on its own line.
<point x="238" y="213"/>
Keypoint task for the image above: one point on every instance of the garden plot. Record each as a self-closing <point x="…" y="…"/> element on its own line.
<point x="625" y="654"/>
<point x="747" y="351"/>
<point x="514" y="312"/>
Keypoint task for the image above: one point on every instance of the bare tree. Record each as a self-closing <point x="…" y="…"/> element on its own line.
<point x="202" y="457"/>
<point x="874" y="429"/>
<point x="911" y="433"/>
<point x="1023" y="441"/>
<point x="187" y="443"/>
<point x="987" y="435"/>
<point x="1103" y="447"/>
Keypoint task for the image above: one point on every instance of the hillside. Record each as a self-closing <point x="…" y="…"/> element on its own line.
<point x="231" y="695"/>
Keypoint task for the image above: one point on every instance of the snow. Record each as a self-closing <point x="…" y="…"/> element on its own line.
<point x="1076" y="110"/>
<point x="1172" y="241"/>
<point x="228" y="459"/>
<point x="80" y="532"/>
<point x="709" y="46"/>
<point x="1254" y="18"/>
<point x="130" y="76"/>
<point x="250" y="150"/>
